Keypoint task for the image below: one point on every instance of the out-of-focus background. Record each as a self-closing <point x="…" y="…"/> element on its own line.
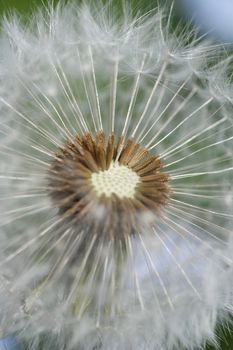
<point x="214" y="18"/>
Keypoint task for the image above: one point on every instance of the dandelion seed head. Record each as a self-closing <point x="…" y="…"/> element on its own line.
<point x="116" y="181"/>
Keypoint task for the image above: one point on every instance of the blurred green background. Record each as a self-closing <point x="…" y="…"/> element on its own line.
<point x="25" y="8"/>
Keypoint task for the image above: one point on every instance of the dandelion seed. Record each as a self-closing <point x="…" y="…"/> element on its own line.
<point x="116" y="182"/>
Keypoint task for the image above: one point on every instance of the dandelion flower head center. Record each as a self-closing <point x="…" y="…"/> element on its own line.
<point x="117" y="179"/>
<point x="94" y="177"/>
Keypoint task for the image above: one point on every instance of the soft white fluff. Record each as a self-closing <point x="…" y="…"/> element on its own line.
<point x="176" y="282"/>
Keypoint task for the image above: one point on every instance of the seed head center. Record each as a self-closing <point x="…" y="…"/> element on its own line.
<point x="117" y="179"/>
<point x="107" y="185"/>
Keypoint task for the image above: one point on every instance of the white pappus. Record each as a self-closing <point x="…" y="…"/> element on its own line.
<point x="116" y="139"/>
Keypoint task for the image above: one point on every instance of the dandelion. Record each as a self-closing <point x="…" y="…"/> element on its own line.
<point x="116" y="181"/>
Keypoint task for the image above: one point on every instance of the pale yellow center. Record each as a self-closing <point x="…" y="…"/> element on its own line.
<point x="118" y="179"/>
